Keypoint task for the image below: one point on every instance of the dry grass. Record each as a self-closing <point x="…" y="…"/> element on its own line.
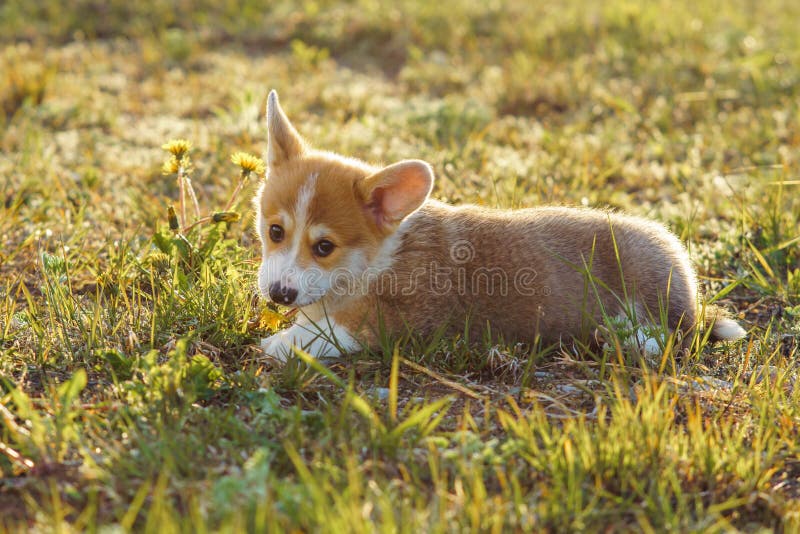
<point x="130" y="384"/>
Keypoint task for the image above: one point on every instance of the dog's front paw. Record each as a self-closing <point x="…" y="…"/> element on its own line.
<point x="316" y="342"/>
<point x="276" y="346"/>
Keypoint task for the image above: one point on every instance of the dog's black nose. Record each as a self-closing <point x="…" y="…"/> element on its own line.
<point x="282" y="294"/>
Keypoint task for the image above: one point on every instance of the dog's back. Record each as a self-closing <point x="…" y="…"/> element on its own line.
<point x="551" y="271"/>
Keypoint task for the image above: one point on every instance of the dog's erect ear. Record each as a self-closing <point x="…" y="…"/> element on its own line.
<point x="395" y="192"/>
<point x="284" y="141"/>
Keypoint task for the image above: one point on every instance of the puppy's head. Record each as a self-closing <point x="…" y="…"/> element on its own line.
<point x="323" y="218"/>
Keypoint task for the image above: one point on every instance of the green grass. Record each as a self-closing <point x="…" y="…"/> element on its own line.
<point x="131" y="386"/>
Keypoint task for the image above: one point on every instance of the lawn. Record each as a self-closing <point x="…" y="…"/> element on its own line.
<point x="133" y="395"/>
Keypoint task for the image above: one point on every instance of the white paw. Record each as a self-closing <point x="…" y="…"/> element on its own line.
<point x="277" y="347"/>
<point x="647" y="338"/>
<point x="328" y="342"/>
<point x="650" y="346"/>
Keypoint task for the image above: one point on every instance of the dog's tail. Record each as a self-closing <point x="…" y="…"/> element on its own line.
<point x="722" y="327"/>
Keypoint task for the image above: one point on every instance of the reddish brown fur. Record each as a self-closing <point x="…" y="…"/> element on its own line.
<point x="335" y="203"/>
<point x="633" y="263"/>
<point x="558" y="243"/>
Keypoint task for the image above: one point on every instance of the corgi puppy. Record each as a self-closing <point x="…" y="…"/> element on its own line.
<point x="362" y="252"/>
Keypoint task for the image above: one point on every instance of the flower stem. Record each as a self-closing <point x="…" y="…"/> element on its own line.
<point x="242" y="178"/>
<point x="182" y="195"/>
<point x="193" y="196"/>
<point x="202" y="220"/>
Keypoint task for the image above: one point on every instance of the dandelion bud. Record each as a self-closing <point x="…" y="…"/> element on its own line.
<point x="225" y="216"/>
<point x="173" y="219"/>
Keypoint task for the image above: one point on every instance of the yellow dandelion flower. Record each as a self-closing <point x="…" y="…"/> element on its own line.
<point x="248" y="162"/>
<point x="171" y="166"/>
<point x="177" y="147"/>
<point x="270" y="320"/>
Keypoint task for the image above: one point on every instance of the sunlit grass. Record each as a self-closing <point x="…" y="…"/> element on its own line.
<point x="131" y="388"/>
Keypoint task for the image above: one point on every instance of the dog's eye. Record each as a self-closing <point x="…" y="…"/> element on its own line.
<point x="276" y="233"/>
<point x="323" y="248"/>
